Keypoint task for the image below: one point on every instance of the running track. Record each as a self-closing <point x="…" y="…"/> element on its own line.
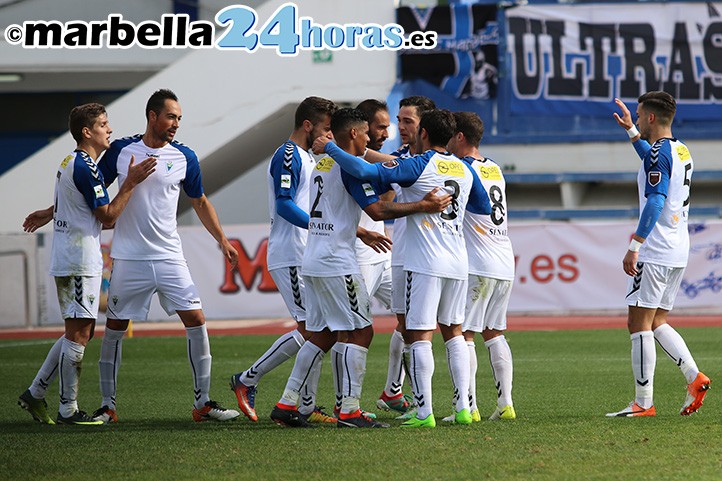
<point x="383" y="324"/>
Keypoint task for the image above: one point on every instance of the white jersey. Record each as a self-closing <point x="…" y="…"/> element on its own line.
<point x="79" y="190"/>
<point x="398" y="236"/>
<point x="288" y="176"/>
<point x="365" y="255"/>
<point x="487" y="241"/>
<point x="435" y="242"/>
<point x="147" y="228"/>
<point x="334" y="216"/>
<point x="667" y="169"/>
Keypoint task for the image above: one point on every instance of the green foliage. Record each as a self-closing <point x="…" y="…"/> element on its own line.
<point x="564" y="382"/>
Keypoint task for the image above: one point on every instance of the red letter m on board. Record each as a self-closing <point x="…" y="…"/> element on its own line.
<point x="248" y="269"/>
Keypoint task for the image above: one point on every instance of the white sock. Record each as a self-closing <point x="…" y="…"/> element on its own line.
<point x="308" y="392"/>
<point x="111" y="353"/>
<point x="672" y="343"/>
<point x="502" y="368"/>
<point x="282" y="350"/>
<point x="48" y="371"/>
<point x="396" y="373"/>
<point x="71" y="361"/>
<point x="199" y="355"/>
<point x="457" y="356"/>
<point x="337" y="352"/>
<point x="308" y="356"/>
<point x="354" y="370"/>
<point x="644" y="358"/>
<point x="473" y="368"/>
<point x="422" y="370"/>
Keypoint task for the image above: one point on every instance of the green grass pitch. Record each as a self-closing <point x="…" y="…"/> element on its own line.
<point x="564" y="382"/>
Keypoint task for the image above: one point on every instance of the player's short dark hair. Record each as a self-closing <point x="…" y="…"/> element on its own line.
<point x="439" y="125"/>
<point x="661" y="104"/>
<point x="422" y="104"/>
<point x="156" y="102"/>
<point x="83" y="116"/>
<point x="313" y="109"/>
<point x="344" y="119"/>
<point x="471" y="125"/>
<point x="369" y="107"/>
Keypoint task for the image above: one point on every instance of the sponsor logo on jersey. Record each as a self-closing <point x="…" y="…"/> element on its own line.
<point x="99" y="192"/>
<point x="325" y="164"/>
<point x="65" y="161"/>
<point x="368" y="190"/>
<point x="683" y="153"/>
<point x="480" y="229"/>
<point x="490" y="173"/>
<point x="155" y="156"/>
<point x="285" y="181"/>
<point x="426" y="225"/>
<point x="654" y="178"/>
<point x="390" y="164"/>
<point x="449" y="167"/>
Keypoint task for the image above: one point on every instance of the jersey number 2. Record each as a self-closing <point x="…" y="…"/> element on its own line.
<point x="317" y="213"/>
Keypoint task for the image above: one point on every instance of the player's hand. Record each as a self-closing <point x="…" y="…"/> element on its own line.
<point x="320" y="144"/>
<point x="436" y="201"/>
<point x="138" y="173"/>
<point x="37" y="219"/>
<point x="230" y="253"/>
<point x="625" y="121"/>
<point x="375" y="240"/>
<point x="630" y="263"/>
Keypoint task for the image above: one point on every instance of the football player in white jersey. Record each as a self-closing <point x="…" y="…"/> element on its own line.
<point x="436" y="262"/>
<point x="336" y="295"/>
<point x="658" y="251"/>
<point x="288" y="185"/>
<point x="392" y="398"/>
<point x="491" y="268"/>
<point x="148" y="256"/>
<point x="81" y="207"/>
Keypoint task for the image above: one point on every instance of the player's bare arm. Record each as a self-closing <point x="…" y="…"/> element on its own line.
<point x="208" y="217"/>
<point x="109" y="213"/>
<point x="625" y="120"/>
<point x="431" y="203"/>
<point x="35" y="220"/>
<point x="375" y="240"/>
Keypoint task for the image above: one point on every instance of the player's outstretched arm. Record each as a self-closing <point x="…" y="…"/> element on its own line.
<point x="209" y="218"/>
<point x="625" y="121"/>
<point x="109" y="213"/>
<point x="355" y="166"/>
<point x="432" y="202"/>
<point x="375" y="240"/>
<point x="35" y="220"/>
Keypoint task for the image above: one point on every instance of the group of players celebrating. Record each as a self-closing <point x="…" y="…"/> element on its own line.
<point x="450" y="263"/>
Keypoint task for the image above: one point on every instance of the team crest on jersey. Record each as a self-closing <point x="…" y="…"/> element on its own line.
<point x="91" y="299"/>
<point x="683" y="153"/>
<point x="285" y="181"/>
<point x="390" y="164"/>
<point x="115" y="300"/>
<point x="99" y="191"/>
<point x="168" y="166"/>
<point x="65" y="161"/>
<point x="325" y="164"/>
<point x="654" y="178"/>
<point x="368" y="190"/>
<point x="449" y="167"/>
<point x="490" y="173"/>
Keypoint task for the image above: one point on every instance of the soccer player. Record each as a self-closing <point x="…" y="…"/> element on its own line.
<point x="436" y="262"/>
<point x="81" y="207"/>
<point x="392" y="398"/>
<point x="491" y="269"/>
<point x="148" y="256"/>
<point x="289" y="175"/>
<point x="658" y="251"/>
<point x="336" y="295"/>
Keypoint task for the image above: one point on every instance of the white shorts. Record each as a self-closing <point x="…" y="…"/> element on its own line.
<point x="133" y="283"/>
<point x="398" y="290"/>
<point x="337" y="303"/>
<point x="433" y="299"/>
<point x="378" y="281"/>
<point x="487" y="300"/>
<point x="79" y="296"/>
<point x="654" y="286"/>
<point x="292" y="289"/>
